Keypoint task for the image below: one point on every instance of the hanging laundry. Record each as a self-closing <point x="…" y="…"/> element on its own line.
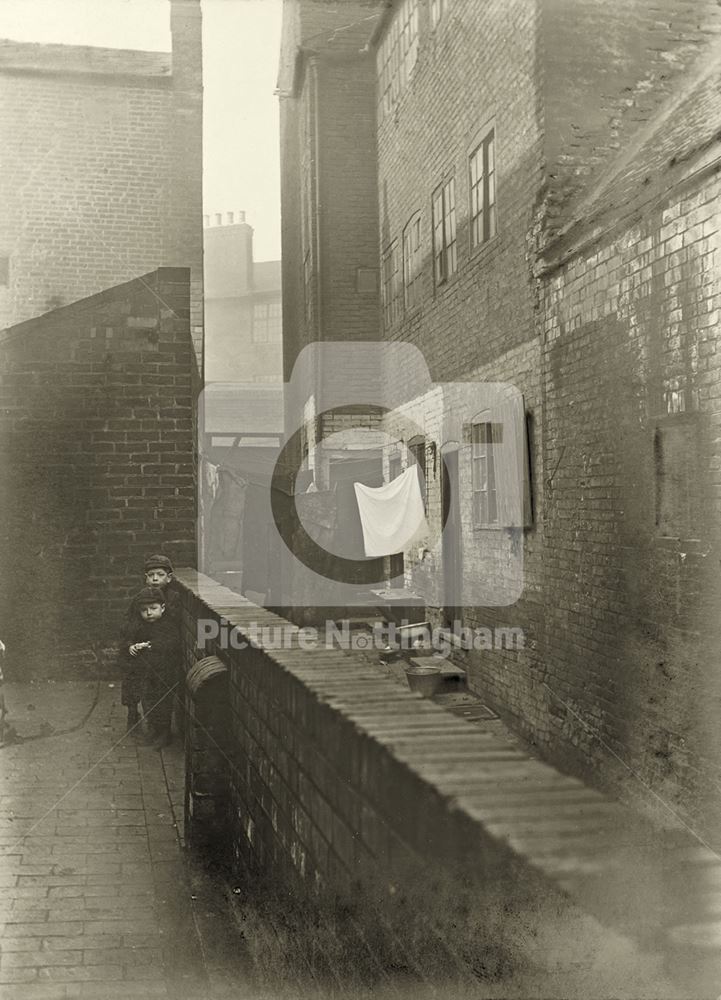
<point x="392" y="515"/>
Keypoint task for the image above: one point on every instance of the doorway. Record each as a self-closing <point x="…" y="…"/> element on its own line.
<point x="452" y="556"/>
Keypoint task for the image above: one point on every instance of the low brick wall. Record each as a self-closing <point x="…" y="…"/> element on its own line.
<point x="410" y="841"/>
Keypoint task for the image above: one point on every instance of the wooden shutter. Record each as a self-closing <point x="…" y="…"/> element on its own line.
<point x="512" y="465"/>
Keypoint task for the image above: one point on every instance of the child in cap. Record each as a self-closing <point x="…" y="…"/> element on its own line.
<point x="159" y="573"/>
<point x="158" y="570"/>
<point x="155" y="646"/>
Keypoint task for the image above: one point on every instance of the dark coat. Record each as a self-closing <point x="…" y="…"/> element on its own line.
<point x="162" y="658"/>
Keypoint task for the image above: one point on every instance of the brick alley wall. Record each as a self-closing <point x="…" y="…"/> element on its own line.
<point x="632" y="442"/>
<point x="97" y="448"/>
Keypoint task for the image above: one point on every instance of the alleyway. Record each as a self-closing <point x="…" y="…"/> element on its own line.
<point x="97" y="898"/>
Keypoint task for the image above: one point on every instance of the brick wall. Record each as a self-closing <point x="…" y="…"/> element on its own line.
<point x="631" y="402"/>
<point x="609" y="330"/>
<point x="486" y="308"/>
<point x="101" y="177"/>
<point x="381" y="837"/>
<point x="348" y="226"/>
<point x="97" y="441"/>
<point x="479" y="325"/>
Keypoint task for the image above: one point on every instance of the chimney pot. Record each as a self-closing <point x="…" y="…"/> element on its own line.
<point x="230" y="218"/>
<point x="241" y="216"/>
<point x="218" y="219"/>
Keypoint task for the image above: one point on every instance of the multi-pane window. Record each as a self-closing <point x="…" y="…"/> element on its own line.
<point x="444" y="232"/>
<point x="437" y="8"/>
<point x="483" y="190"/>
<point x="412" y="262"/>
<point x="397" y="54"/>
<point x="485" y="502"/>
<point x="391" y="285"/>
<point x="267" y="322"/>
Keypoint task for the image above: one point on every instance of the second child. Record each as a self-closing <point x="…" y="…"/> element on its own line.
<point x="154" y="645"/>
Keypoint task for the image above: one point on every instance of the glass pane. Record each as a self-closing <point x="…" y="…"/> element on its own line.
<point x="474" y="167"/>
<point x="492" y="516"/>
<point x="483" y="508"/>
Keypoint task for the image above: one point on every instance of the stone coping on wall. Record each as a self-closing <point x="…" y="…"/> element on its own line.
<point x="651" y="884"/>
<point x="38" y="58"/>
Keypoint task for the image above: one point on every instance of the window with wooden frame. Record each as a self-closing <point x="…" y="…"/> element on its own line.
<point x="444" y="232"/>
<point x="500" y="467"/>
<point x="397" y="54"/>
<point x="412" y="260"/>
<point x="482" y="188"/>
<point x="392" y="300"/>
<point x="267" y="323"/>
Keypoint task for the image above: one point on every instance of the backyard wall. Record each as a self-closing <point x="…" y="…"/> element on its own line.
<point x="408" y="841"/>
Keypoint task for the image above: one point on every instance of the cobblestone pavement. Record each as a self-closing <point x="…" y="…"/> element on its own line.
<point x="97" y="898"/>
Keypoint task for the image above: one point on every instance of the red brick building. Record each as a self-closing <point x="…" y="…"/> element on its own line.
<point x="534" y="185"/>
<point x="101" y="168"/>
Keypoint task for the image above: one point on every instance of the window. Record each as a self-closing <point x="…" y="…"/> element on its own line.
<point x="485" y="501"/>
<point x="391" y="285"/>
<point x="412" y="262"/>
<point x="678" y="477"/>
<point x="267" y="323"/>
<point x="4" y="270"/>
<point x="483" y="190"/>
<point x="397" y="54"/>
<point x="437" y="9"/>
<point x="500" y="465"/>
<point x="444" y="232"/>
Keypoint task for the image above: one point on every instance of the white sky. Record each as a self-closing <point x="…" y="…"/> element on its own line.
<point x="241" y="40"/>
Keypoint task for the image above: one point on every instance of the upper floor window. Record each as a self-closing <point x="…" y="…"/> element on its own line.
<point x="397" y="54"/>
<point x="412" y="260"/>
<point x="267" y="322"/>
<point x="483" y="190"/>
<point x="391" y="285"/>
<point x="444" y="231"/>
<point x="437" y="9"/>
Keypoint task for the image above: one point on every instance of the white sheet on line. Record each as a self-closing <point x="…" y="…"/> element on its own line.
<point x="392" y="515"/>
